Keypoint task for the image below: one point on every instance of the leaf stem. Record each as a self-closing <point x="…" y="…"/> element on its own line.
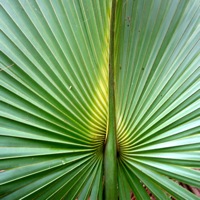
<point x="110" y="156"/>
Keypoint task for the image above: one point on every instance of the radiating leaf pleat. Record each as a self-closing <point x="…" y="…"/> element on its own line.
<point x="157" y="94"/>
<point x="53" y="98"/>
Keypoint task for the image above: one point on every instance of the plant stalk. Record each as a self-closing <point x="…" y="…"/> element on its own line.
<point x="110" y="156"/>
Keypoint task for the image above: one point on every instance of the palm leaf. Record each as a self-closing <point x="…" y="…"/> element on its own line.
<point x="157" y="95"/>
<point x="54" y="98"/>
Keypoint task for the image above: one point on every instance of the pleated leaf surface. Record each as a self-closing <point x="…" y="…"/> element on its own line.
<point x="53" y="103"/>
<point x="158" y="97"/>
<point x="54" y="98"/>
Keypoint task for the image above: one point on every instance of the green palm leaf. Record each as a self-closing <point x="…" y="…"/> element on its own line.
<point x="54" y="98"/>
<point x="158" y="104"/>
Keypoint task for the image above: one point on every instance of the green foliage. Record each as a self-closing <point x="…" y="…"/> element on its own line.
<point x="54" y="98"/>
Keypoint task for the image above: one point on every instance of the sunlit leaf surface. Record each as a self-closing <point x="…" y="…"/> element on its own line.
<point x="54" y="97"/>
<point x="54" y="85"/>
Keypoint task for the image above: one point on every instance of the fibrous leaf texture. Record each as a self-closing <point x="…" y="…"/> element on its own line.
<point x="54" y="71"/>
